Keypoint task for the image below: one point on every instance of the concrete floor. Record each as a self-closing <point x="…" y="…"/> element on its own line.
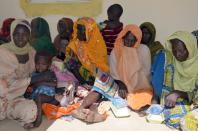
<point x="132" y="123"/>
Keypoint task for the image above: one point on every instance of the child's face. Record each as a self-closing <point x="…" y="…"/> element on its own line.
<point x="146" y="35"/>
<point x="179" y="50"/>
<point x="112" y="16"/>
<point x="21" y="36"/>
<point x="129" y="40"/>
<point x="42" y="65"/>
<point x="81" y="35"/>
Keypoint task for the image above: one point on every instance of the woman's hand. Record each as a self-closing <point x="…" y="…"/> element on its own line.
<point x="173" y="96"/>
<point x="171" y="99"/>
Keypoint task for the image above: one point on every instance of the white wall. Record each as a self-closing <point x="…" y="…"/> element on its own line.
<point x="167" y="15"/>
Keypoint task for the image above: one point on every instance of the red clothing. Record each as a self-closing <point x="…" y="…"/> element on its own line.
<point x="5" y="29"/>
<point x="110" y="35"/>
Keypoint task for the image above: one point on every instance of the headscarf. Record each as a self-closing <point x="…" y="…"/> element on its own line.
<point x="152" y="30"/>
<point x="153" y="45"/>
<point x="186" y="72"/>
<point x="92" y="53"/>
<point x="11" y="46"/>
<point x="135" y="30"/>
<point x="5" y="29"/>
<point x="42" y="42"/>
<point x="68" y="22"/>
<point x="129" y="66"/>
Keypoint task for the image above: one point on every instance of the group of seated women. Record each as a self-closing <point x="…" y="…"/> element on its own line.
<point x="102" y="61"/>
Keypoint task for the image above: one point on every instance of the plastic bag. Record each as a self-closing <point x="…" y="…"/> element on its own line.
<point x="54" y="112"/>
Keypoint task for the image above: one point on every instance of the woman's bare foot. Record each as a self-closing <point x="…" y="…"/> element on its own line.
<point x="141" y="113"/>
<point x="155" y="101"/>
<point x="94" y="117"/>
<point x="80" y="114"/>
<point x="94" y="107"/>
<point x="28" y="126"/>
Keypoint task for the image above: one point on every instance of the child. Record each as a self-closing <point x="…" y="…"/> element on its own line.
<point x="112" y="27"/>
<point x="43" y="83"/>
<point x="65" y="30"/>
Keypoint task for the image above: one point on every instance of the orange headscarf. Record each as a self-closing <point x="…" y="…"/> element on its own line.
<point x="130" y="69"/>
<point x="128" y="63"/>
<point x="135" y="30"/>
<point x="92" y="53"/>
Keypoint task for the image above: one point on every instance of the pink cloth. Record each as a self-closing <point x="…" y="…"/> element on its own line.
<point x="65" y="76"/>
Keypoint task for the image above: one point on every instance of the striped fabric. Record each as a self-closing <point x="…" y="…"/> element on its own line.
<point x="110" y="35"/>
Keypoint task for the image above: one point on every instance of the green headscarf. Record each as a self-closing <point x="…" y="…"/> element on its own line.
<point x="11" y="45"/>
<point x="186" y="72"/>
<point x="153" y="45"/>
<point x="43" y="41"/>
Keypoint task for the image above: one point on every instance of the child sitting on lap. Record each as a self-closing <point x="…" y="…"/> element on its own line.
<point x="43" y="83"/>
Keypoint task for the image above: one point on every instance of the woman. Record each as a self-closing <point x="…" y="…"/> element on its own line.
<point x="177" y="88"/>
<point x="148" y="38"/>
<point x="130" y="64"/>
<point x="65" y="31"/>
<point x="87" y="51"/>
<point x="41" y="39"/>
<point x="61" y="41"/>
<point x="5" y="30"/>
<point x="85" y="55"/>
<point x="16" y="66"/>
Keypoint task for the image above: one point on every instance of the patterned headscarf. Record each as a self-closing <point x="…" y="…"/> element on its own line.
<point x="93" y="52"/>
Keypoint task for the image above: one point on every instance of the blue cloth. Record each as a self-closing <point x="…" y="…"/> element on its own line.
<point x="42" y="89"/>
<point x="157" y="73"/>
<point x="118" y="102"/>
<point x="155" y="109"/>
<point x="46" y="90"/>
<point x="104" y="84"/>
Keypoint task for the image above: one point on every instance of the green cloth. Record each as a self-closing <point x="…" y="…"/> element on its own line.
<point x="153" y="45"/>
<point x="43" y="41"/>
<point x="186" y="72"/>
